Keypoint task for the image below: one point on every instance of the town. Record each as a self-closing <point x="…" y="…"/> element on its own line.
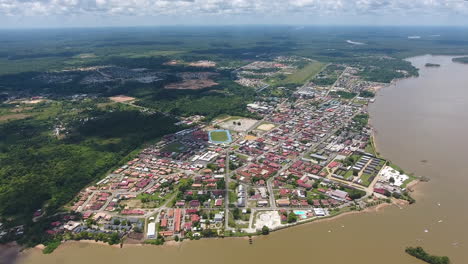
<point x="308" y="156"/>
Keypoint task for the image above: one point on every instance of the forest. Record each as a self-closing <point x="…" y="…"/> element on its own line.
<point x="41" y="171"/>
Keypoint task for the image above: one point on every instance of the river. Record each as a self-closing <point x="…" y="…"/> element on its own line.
<point x="422" y="125"/>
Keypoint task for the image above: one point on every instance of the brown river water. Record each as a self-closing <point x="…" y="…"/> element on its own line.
<point x="422" y="125"/>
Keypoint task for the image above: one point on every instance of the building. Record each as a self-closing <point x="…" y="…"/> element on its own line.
<point x="151" y="231"/>
<point x="339" y="195"/>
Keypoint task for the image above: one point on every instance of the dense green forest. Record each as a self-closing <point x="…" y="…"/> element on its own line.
<point x="38" y="169"/>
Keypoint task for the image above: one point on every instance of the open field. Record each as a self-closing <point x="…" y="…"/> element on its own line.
<point x="250" y="137"/>
<point x="10" y="117"/>
<point x="239" y="125"/>
<point x="266" y="127"/>
<point x="121" y="98"/>
<point x="304" y="74"/>
<point x="191" y="85"/>
<point x="174" y="147"/>
<point x="193" y="81"/>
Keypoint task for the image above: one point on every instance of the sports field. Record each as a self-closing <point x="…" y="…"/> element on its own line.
<point x="220" y="136"/>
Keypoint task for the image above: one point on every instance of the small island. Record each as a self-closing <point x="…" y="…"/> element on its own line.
<point x="463" y="60"/>
<point x="432" y="65"/>
<point x="418" y="252"/>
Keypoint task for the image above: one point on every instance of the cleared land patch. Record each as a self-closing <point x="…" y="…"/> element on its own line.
<point x="121" y="98"/>
<point x="238" y="125"/>
<point x="304" y="74"/>
<point x="13" y="117"/>
<point x="250" y="137"/>
<point x="193" y="81"/>
<point x="266" y="127"/>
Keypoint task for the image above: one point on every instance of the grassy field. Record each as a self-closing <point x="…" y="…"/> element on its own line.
<point x="174" y="147"/>
<point x="219" y="136"/>
<point x="305" y="74"/>
<point x="366" y="179"/>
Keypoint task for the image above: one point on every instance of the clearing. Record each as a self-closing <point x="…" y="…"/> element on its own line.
<point x="266" y="127"/>
<point x="13" y="117"/>
<point x="304" y="74"/>
<point x="239" y="124"/>
<point x="121" y="98"/>
<point x="193" y="81"/>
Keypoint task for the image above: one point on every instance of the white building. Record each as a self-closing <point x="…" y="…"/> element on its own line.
<point x="151" y="230"/>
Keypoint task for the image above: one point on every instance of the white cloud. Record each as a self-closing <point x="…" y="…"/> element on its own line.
<point x="248" y="9"/>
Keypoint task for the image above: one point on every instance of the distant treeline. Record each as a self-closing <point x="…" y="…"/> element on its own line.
<point x="461" y="60"/>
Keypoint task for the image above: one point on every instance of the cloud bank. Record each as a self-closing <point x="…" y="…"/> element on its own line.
<point x="236" y="11"/>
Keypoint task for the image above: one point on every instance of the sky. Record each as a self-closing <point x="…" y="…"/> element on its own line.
<point x="98" y="13"/>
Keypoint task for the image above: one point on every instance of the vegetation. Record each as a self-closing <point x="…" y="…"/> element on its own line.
<point x="265" y="230"/>
<point x="343" y="94"/>
<point x="292" y="217"/>
<point x="418" y="252"/>
<point x="303" y="74"/>
<point x="461" y="60"/>
<point x="367" y="94"/>
<point x="51" y="246"/>
<point x="41" y="171"/>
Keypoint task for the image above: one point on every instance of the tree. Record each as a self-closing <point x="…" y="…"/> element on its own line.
<point x="292" y="217"/>
<point x="176" y="238"/>
<point x="236" y="213"/>
<point x="114" y="239"/>
<point x="265" y="230"/>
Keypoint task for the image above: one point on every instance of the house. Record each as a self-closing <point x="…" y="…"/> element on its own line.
<point x="218" y="217"/>
<point x="177" y="220"/>
<point x="283" y="202"/>
<point x="164" y="223"/>
<point x="194" y="203"/>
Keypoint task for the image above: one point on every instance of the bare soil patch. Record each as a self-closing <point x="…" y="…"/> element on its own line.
<point x="13" y="117"/>
<point x="204" y="64"/>
<point x="193" y="81"/>
<point x="121" y="98"/>
<point x="266" y="127"/>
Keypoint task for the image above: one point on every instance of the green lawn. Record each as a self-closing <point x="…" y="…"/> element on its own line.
<point x="366" y="179"/>
<point x="219" y="136"/>
<point x="348" y="174"/>
<point x="174" y="147"/>
<point x="304" y="74"/>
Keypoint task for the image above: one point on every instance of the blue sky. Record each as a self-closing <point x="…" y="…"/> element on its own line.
<point x="84" y="13"/>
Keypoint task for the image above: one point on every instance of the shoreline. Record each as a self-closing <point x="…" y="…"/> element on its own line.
<point x="172" y="243"/>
